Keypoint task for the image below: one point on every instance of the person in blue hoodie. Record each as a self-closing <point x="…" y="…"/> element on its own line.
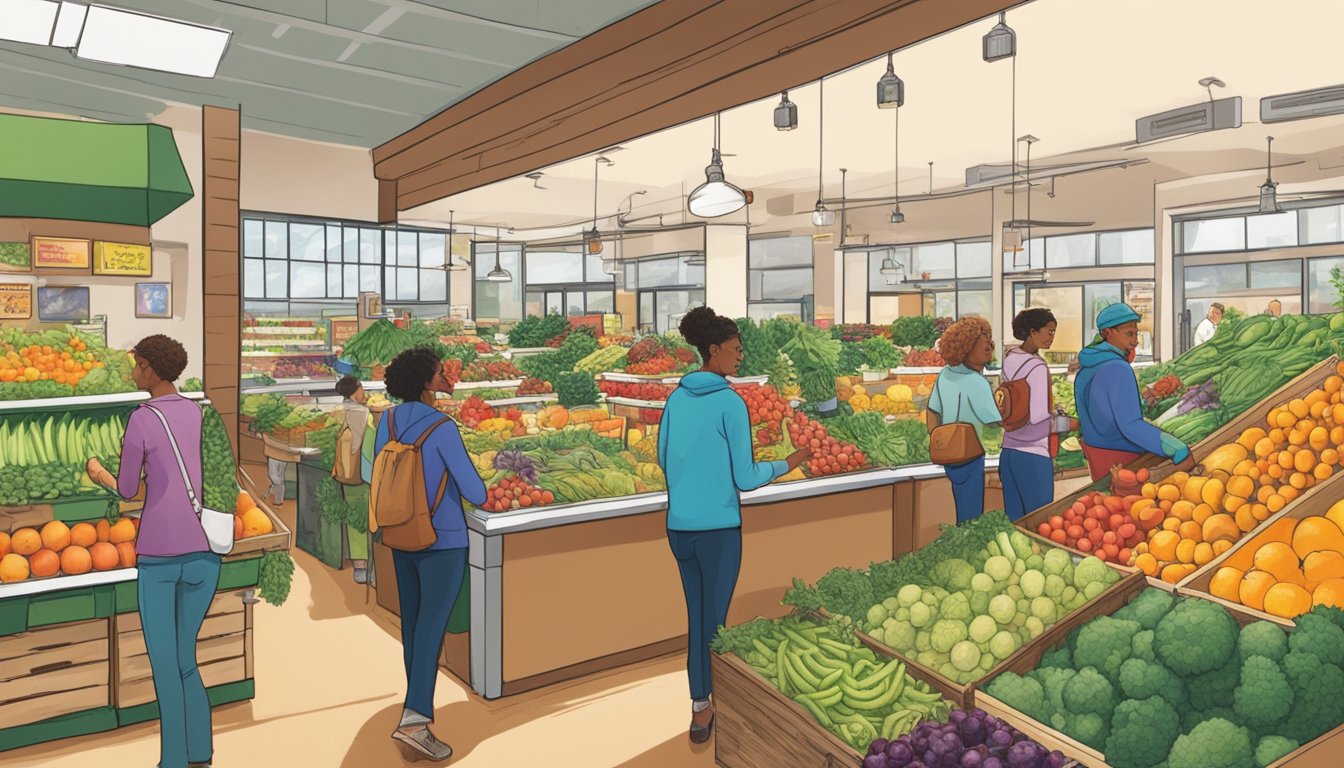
<point x="1110" y="413"/>
<point x="704" y="448"/>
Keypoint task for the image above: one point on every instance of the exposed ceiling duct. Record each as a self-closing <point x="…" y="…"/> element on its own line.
<point x="1317" y="102"/>
<point x="1213" y="115"/>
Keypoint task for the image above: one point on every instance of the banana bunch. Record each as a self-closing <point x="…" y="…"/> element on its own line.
<point x="66" y="439"/>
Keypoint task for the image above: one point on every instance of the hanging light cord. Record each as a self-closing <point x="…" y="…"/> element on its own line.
<point x="595" y="164"/>
<point x="821" y="134"/>
<point x="1013" y="110"/>
<point x="896" y="158"/>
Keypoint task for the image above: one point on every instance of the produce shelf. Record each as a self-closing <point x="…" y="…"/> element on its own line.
<point x="523" y="400"/>
<point x="83" y="402"/>
<point x="634" y="378"/>
<point x="633" y="403"/>
<point x="58" y="583"/>
<point x="508" y="384"/>
<point x="256" y="353"/>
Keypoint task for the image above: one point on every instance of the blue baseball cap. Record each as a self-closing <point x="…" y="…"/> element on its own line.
<point x="1116" y="314"/>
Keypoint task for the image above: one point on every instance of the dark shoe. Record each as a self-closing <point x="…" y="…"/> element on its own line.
<point x="702" y="725"/>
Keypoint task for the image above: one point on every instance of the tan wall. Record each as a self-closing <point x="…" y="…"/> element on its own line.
<point x="282" y="175"/>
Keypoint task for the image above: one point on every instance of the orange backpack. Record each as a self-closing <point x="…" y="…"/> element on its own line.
<point x="397" y="501"/>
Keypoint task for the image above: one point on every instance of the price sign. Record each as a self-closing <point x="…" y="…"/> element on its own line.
<point x="60" y="253"/>
<point x="122" y="259"/>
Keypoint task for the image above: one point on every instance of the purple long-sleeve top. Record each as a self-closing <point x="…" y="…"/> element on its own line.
<point x="168" y="524"/>
<point x="1034" y="436"/>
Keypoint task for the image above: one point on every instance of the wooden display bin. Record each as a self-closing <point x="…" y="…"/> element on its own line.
<point x="54" y="671"/>
<point x="223" y="651"/>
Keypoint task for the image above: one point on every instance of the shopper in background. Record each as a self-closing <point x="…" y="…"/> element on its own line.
<point x="704" y="449"/>
<point x="962" y="396"/>
<point x="1275" y="308"/>
<point x="1209" y="325"/>
<point x="1107" y="397"/>
<point x="178" y="573"/>
<point x="428" y="580"/>
<point x="353" y="417"/>
<point x="1026" y="465"/>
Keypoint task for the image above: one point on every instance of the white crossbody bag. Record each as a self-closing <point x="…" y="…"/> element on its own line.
<point x="218" y="526"/>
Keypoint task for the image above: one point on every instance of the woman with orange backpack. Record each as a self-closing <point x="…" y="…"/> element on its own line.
<point x="1030" y="440"/>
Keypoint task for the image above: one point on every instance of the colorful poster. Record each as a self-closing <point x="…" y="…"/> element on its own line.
<point x="63" y="304"/>
<point x="15" y="257"/>
<point x="16" y="301"/>
<point x="122" y="259"/>
<point x="60" y="253"/>
<point x="153" y="300"/>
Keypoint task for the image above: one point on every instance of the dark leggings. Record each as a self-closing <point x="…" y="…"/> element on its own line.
<point x="427" y="587"/>
<point x="709" y="563"/>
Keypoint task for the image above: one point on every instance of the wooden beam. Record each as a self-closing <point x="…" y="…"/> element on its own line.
<point x="387" y="201"/>
<point x="222" y="300"/>
<point x="673" y="62"/>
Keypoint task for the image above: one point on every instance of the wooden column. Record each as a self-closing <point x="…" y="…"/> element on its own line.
<point x="222" y="263"/>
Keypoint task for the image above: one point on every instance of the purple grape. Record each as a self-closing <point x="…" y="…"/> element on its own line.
<point x="992" y="762"/>
<point x="931" y="757"/>
<point x="972" y="760"/>
<point x="875" y="761"/>
<point x="999" y="738"/>
<point x="979" y="714"/>
<point x="972" y="732"/>
<point x="877" y="747"/>
<point x="958" y="715"/>
<point x="1025" y="754"/>
<point x="899" y="754"/>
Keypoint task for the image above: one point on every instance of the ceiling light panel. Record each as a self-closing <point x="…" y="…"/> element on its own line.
<point x="115" y="36"/>
<point x="28" y="21"/>
<point x="69" y="25"/>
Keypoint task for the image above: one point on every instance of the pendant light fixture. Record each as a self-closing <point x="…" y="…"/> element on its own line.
<point x="890" y="88"/>
<point x="896" y="216"/>
<point x="498" y="274"/>
<point x="592" y="239"/>
<point x="612" y="266"/>
<point x="1269" y="200"/>
<point x="451" y="263"/>
<point x="786" y="113"/>
<point x="715" y="197"/>
<point x="821" y="216"/>
<point x="1000" y="42"/>
<point x="1029" y="139"/>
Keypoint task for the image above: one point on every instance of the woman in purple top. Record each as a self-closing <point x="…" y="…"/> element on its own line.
<point x="178" y="573"/>
<point x="1026" y="463"/>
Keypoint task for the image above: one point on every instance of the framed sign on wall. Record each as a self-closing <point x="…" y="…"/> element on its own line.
<point x="60" y="253"/>
<point x="16" y="301"/>
<point x="153" y="300"/>
<point x="15" y="257"/>
<point x="122" y="259"/>
<point x="63" y="304"/>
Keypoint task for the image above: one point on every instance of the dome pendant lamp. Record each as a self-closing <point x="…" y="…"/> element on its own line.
<point x="715" y="197"/>
<point x="786" y="114"/>
<point x="498" y="274"/>
<point x="1269" y="201"/>
<point x="821" y="216"/>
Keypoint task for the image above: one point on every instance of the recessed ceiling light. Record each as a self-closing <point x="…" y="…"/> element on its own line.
<point x="162" y="44"/>
<point x="28" y="21"/>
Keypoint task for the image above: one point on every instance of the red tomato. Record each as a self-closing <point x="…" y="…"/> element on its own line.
<point x="1125" y="531"/>
<point x="1116" y="520"/>
<point x="1044" y="529"/>
<point x="1091" y="524"/>
<point x="1125" y="556"/>
<point x="1108" y="537"/>
<point x="1075" y="531"/>
<point x="1058" y="536"/>
<point x="1096" y="535"/>
<point x="1056" y="522"/>
<point x="1085" y="545"/>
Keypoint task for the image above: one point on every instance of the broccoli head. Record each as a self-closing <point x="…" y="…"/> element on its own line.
<point x="1148" y="607"/>
<point x="1264" y="697"/>
<point x="1092" y="570"/>
<point x="1105" y="643"/>
<point x="1088" y="728"/>
<point x="1318" y="635"/>
<point x="1335" y="615"/>
<point x="1053" y="681"/>
<point x="1214" y="743"/>
<point x="1214" y="688"/>
<point x="1142" y="732"/>
<point x="1059" y="657"/>
<point x="1194" y="717"/>
<point x="1141" y="679"/>
<point x="1089" y="691"/>
<point x="1271" y="749"/>
<point x="953" y="574"/>
<point x="1194" y="637"/>
<point x="1024" y="694"/>
<point x="1262" y="638"/>
<point x="1317" y="705"/>
<point x="955" y="606"/>
<point x="1143" y="646"/>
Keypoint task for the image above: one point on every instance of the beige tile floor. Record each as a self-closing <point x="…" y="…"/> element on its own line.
<point x="329" y="692"/>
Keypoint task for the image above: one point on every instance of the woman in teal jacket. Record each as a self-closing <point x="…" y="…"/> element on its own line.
<point x="704" y="448"/>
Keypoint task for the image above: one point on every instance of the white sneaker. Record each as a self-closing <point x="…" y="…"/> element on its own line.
<point x="424" y="744"/>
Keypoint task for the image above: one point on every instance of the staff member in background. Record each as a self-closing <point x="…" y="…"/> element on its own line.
<point x="1209" y="325"/>
<point x="704" y="448"/>
<point x="353" y="417"/>
<point x="1107" y="396"/>
<point x="1275" y="308"/>
<point x="429" y="580"/>
<point x="962" y="395"/>
<point x="1026" y="465"/>
<point x="178" y="572"/>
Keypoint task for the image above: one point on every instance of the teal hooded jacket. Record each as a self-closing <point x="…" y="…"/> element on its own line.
<point x="704" y="448"/>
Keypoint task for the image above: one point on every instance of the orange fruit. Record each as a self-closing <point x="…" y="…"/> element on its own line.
<point x="1174" y="573"/>
<point x="104" y="556"/>
<point x="1330" y="456"/>
<point x="1260" y="512"/>
<point x="256" y="523"/>
<point x="1250" y="437"/>
<point x="1251" y="591"/>
<point x="1220" y="527"/>
<point x="1185" y="551"/>
<point x="1241" y="486"/>
<point x="76" y="560"/>
<point x="244" y="502"/>
<point x="1280" y="561"/>
<point x="1329" y="592"/>
<point x="1225" y="584"/>
<point x="122" y="531"/>
<point x="1323" y="566"/>
<point x="103" y="529"/>
<point x="4" y="543"/>
<point x="1183" y="510"/>
<point x="1284" y="420"/>
<point x="1147" y="563"/>
<point x="1163" y="545"/>
<point x="1263" y="447"/>
<point x="1287" y="600"/>
<point x="126" y="552"/>
<point x="1220" y="546"/>
<point x="1204" y="553"/>
<point x="1245" y="520"/>
<point x="238" y="527"/>
<point x="1318" y="438"/>
<point x="1276" y="502"/>
<point x="1304" y="461"/>
<point x="83" y="535"/>
<point x="13" y="567"/>
<point x="1316" y="533"/>
<point x="1190" y="530"/>
<point x="55" y="536"/>
<point x="44" y="563"/>
<point x="25" y="541"/>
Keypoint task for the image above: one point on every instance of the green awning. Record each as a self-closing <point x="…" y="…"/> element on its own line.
<point x="104" y="172"/>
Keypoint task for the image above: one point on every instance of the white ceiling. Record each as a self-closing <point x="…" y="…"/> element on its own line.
<point x="1085" y="72"/>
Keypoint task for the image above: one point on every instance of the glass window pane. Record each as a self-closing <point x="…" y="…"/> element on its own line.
<point x="1321" y="292"/>
<point x="882" y="310"/>
<point x="1031" y="257"/>
<point x="646" y="314"/>
<point x="973" y="259"/>
<point x="601" y="302"/>
<point x="880" y="283"/>
<point x="776" y="309"/>
<point x="307" y="280"/>
<point x="1066" y="303"/>
<point x="307" y="242"/>
<point x="631" y="275"/>
<point x="1139" y="295"/>
<point x="574" y="303"/>
<point x="253" y="240"/>
<point x="407" y="247"/>
<point x="1215" y="280"/>
<point x="1275" y="230"/>
<point x="1096" y="297"/>
<point x="254" y="281"/>
<point x="779" y="252"/>
<point x="432" y="250"/>
<point x="334" y="281"/>
<point x="277" y="237"/>
<point x="945" y="304"/>
<point x="555" y="303"/>
<point x="350" y="286"/>
<point x="433" y="284"/>
<point x="935" y="262"/>
<point x="656" y="272"/>
<point x="780" y="284"/>
<point x="368" y="279"/>
<point x="551" y="267"/>
<point x="1132" y="247"/>
<point x="1321" y="225"/>
<point x="370" y="250"/>
<point x="533" y="303"/>
<point x="1064" y="251"/>
<point x="408" y="284"/>
<point x="593" y="271"/>
<point x="350" y="243"/>
<point x="1212" y="235"/>
<point x="389" y="284"/>
<point x="333" y="243"/>
<point x="1276" y="274"/>
<point x="277" y="279"/>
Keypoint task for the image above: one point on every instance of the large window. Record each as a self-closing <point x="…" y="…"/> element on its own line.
<point x="668" y="286"/>
<point x="948" y="279"/>
<point x="1083" y="249"/>
<point x="1306" y="223"/>
<point x="779" y="278"/>
<point x="498" y="301"/>
<point x="303" y="260"/>
<point x="567" y="282"/>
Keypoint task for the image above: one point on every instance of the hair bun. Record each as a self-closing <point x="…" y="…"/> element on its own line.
<point x="696" y="324"/>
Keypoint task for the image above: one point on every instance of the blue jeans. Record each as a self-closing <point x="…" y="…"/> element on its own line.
<point x="427" y="585"/>
<point x="1028" y="482"/>
<point x="175" y="594"/>
<point x="709" y="563"/>
<point x="968" y="488"/>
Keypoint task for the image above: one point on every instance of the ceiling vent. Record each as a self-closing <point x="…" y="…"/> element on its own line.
<point x="1303" y="104"/>
<point x="1212" y="115"/>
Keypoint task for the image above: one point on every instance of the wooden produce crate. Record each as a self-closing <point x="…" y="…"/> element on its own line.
<point x="280" y="539"/>
<point x="223" y="651"/>
<point x="54" y="671"/>
<point x="757" y="726"/>
<point x="1314" y="503"/>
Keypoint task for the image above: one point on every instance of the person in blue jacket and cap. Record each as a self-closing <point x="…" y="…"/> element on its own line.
<point x="1110" y="412"/>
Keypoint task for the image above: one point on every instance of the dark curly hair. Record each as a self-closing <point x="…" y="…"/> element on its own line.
<point x="703" y="327"/>
<point x="1028" y="321"/>
<point x="960" y="338"/>
<point x="166" y="356"/>
<point x="410" y="372"/>
<point x="347" y="386"/>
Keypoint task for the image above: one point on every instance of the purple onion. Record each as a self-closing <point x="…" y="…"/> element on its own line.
<point x="917" y="764"/>
<point x="999" y="738"/>
<point x="979" y="714"/>
<point x="972" y="760"/>
<point x="1054" y="760"/>
<point x="899" y="754"/>
<point x="875" y="761"/>
<point x="992" y="762"/>
<point x="1025" y="754"/>
<point x="931" y="757"/>
<point x="877" y="747"/>
<point x="957" y="716"/>
<point x="972" y="732"/>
